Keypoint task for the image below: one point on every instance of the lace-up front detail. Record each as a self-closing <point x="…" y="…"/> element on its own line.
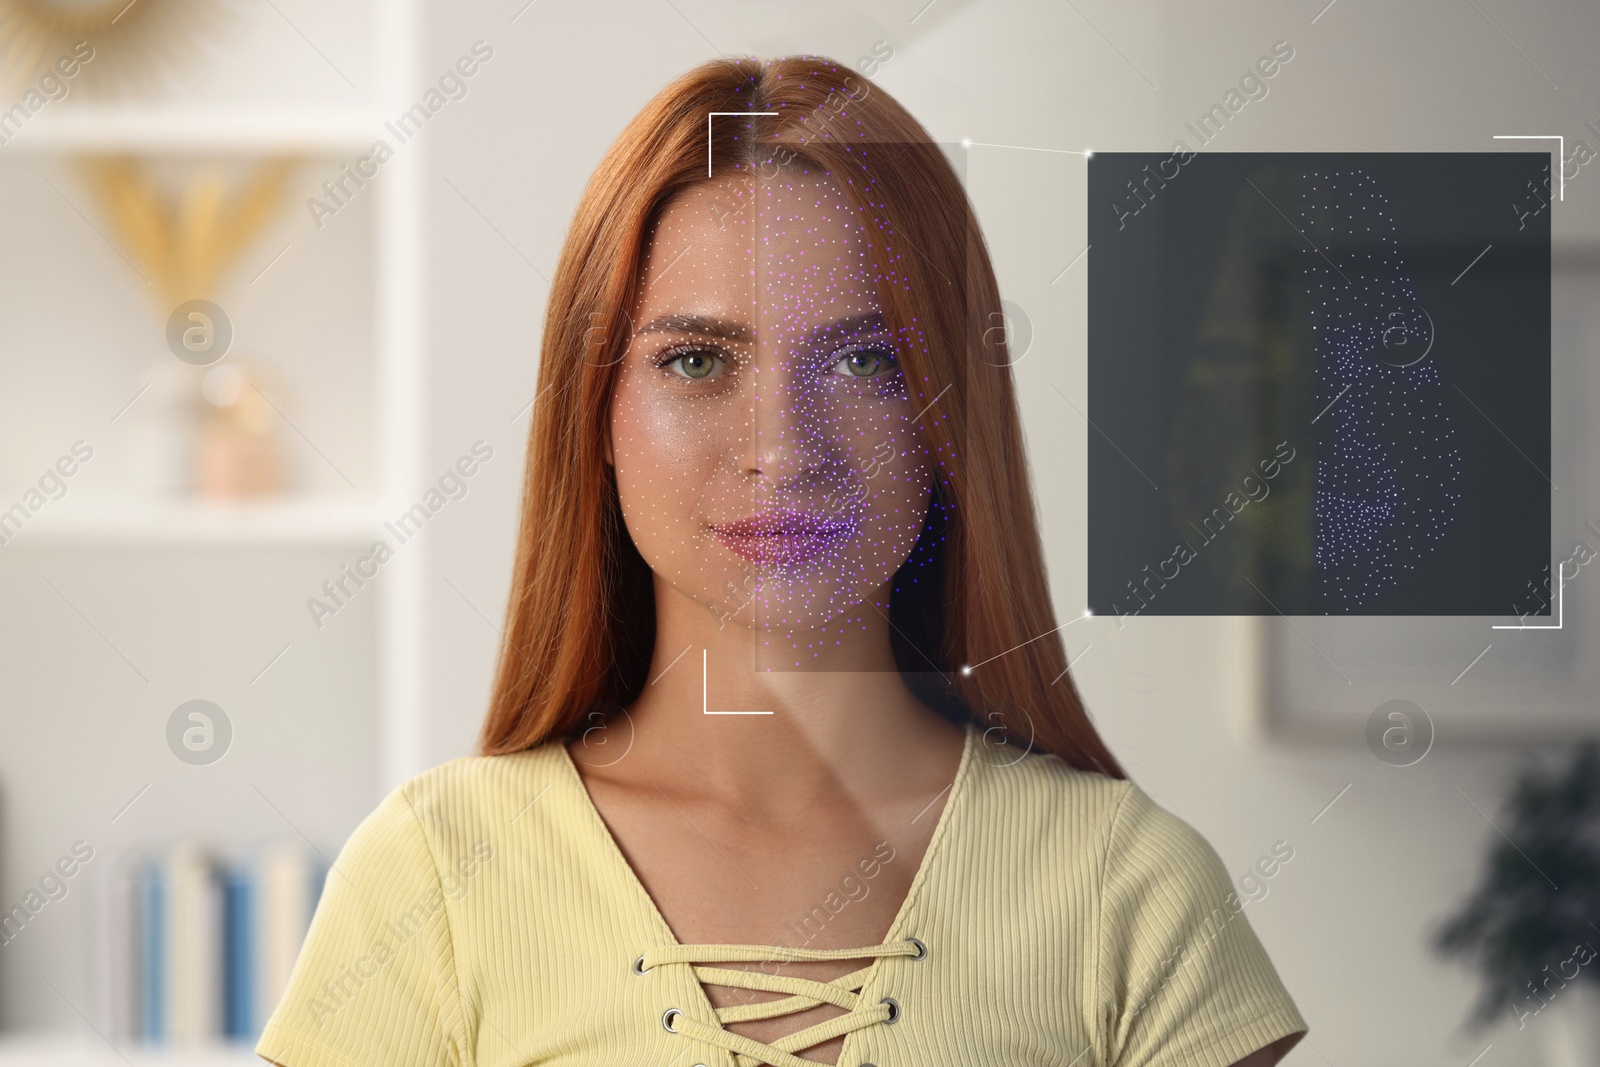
<point x="804" y="993"/>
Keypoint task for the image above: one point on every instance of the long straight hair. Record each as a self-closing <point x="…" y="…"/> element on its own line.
<point x="972" y="628"/>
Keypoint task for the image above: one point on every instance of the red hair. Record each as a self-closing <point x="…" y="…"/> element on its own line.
<point x="580" y="624"/>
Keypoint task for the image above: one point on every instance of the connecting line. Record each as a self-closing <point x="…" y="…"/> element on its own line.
<point x="1469" y="666"/>
<point x="1474" y="262"/>
<point x="275" y="659"/>
<point x="1332" y="402"/>
<point x="1102" y="433"/>
<point x="1075" y="259"/>
<point x="708" y="130"/>
<point x="1502" y="433"/>
<point x="931" y="803"/>
<point x="1502" y="833"/>
<point x="268" y="267"/>
<point x="671" y="665"/>
<point x="129" y="404"/>
<point x="1029" y="641"/>
<point x="1070" y="664"/>
<point x="1561" y="154"/>
<point x="1332" y="802"/>
<point x="932" y="402"/>
<point x="1025" y="148"/>
<point x="129" y="804"/>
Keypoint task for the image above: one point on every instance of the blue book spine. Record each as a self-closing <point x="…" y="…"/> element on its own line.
<point x="153" y="971"/>
<point x="239" y="955"/>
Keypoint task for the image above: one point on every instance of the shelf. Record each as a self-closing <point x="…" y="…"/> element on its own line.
<point x="288" y="520"/>
<point x="67" y="1050"/>
<point x="97" y="128"/>
<point x="353" y="293"/>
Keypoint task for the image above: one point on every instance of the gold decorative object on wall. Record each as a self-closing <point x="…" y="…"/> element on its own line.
<point x="184" y="225"/>
<point x="135" y="42"/>
<point x="185" y="244"/>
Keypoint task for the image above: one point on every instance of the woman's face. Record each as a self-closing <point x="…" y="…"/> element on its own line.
<point x="761" y="429"/>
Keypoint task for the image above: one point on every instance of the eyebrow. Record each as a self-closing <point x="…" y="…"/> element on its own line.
<point x="728" y="330"/>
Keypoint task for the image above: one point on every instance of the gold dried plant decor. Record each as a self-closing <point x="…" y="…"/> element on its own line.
<point x="137" y="43"/>
<point x="184" y="245"/>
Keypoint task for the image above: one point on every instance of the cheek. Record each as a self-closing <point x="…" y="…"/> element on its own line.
<point x="902" y="490"/>
<point x="665" y="458"/>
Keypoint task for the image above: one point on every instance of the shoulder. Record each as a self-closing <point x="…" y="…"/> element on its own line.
<point x="404" y="905"/>
<point x="1160" y="874"/>
<point x="1137" y="847"/>
<point x="460" y="808"/>
<point x="1043" y="790"/>
<point x="1181" y="973"/>
<point x="484" y="787"/>
<point x="1148" y="838"/>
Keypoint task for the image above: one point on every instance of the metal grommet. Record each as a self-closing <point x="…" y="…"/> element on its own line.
<point x="666" y="1019"/>
<point x="894" y="1011"/>
<point x="922" y="953"/>
<point x="636" y="968"/>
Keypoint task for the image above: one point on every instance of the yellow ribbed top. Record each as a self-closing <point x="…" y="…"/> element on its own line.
<point x="483" y="916"/>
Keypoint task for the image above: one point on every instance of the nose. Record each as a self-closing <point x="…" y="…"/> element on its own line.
<point x="787" y="440"/>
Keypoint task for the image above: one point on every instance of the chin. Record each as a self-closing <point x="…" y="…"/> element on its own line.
<point x="813" y="595"/>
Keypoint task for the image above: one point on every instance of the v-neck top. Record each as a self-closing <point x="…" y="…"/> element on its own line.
<point x="484" y="916"/>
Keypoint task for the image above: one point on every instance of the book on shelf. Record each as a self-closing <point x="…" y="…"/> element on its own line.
<point x="114" y="931"/>
<point x="192" y="946"/>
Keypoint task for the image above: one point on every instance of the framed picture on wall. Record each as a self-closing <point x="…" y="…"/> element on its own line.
<point x="1344" y="397"/>
<point x="1323" y="678"/>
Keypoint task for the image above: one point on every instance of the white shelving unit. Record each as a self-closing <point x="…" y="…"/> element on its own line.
<point x="196" y="127"/>
<point x="296" y="521"/>
<point x="47" y="1050"/>
<point x="187" y="128"/>
<point x="92" y="528"/>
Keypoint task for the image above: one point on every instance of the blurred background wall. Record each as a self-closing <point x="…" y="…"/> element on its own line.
<point x="398" y="325"/>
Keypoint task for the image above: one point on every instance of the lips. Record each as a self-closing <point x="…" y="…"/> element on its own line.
<point x="782" y="536"/>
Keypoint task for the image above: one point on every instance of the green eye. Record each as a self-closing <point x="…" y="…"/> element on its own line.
<point x="864" y="363"/>
<point x="695" y="364"/>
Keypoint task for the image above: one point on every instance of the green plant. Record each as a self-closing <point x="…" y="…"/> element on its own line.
<point x="1537" y="903"/>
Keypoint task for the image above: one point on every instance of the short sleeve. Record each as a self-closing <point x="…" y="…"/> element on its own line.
<point x="1183" y="977"/>
<point x="375" y="983"/>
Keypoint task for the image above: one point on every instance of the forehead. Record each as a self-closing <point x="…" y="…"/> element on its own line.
<point x="806" y="199"/>
<point x="794" y="242"/>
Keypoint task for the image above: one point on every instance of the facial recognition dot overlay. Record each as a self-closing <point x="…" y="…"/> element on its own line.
<point x="763" y="359"/>
<point x="1388" y="487"/>
<point x="1318" y="384"/>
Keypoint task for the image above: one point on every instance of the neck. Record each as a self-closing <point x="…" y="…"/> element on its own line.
<point x="840" y="724"/>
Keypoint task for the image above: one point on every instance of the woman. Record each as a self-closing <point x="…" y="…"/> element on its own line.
<point x="783" y="764"/>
